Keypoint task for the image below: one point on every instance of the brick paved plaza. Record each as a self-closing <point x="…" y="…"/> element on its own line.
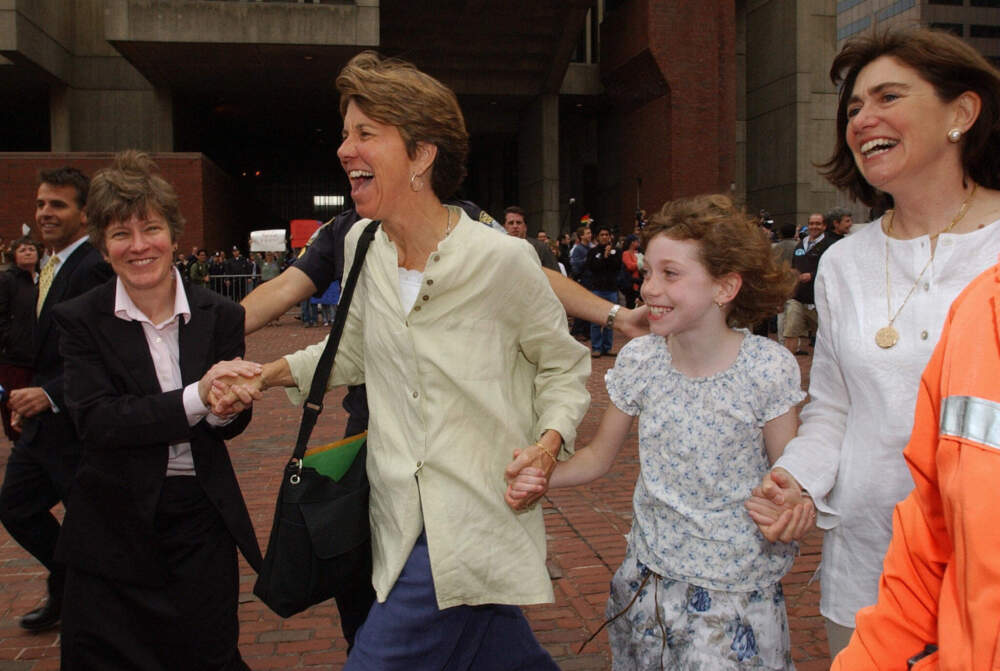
<point x="586" y="527"/>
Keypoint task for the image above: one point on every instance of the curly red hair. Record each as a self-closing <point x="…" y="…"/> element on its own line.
<point x="730" y="241"/>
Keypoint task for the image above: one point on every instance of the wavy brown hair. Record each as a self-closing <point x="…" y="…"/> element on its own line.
<point x="948" y="64"/>
<point x="394" y="92"/>
<point x="730" y="241"/>
<point x="130" y="186"/>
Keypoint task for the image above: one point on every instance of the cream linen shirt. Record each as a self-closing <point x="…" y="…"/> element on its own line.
<point x="482" y="364"/>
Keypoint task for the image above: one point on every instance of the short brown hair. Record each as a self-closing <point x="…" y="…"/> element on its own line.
<point x="514" y="209"/>
<point x="67" y="176"/>
<point x="948" y="64"/>
<point x="131" y="186"/>
<point x="395" y="92"/>
<point x="729" y="241"/>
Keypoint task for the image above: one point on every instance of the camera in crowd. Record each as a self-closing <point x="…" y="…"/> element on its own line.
<point x="766" y="220"/>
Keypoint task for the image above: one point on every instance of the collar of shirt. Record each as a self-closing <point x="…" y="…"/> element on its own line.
<point x="808" y="243"/>
<point x="65" y="253"/>
<point x="126" y="309"/>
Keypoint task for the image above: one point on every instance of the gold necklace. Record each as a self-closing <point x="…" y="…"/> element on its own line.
<point x="887" y="336"/>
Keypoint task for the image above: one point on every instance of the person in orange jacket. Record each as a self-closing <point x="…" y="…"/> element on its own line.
<point x="939" y="594"/>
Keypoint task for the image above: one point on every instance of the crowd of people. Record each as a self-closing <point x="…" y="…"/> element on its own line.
<point x="233" y="277"/>
<point x="461" y="365"/>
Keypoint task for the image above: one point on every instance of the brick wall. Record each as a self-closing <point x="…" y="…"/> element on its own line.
<point x="208" y="197"/>
<point x="670" y="68"/>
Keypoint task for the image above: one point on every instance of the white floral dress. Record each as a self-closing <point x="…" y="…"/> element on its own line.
<point x="712" y="599"/>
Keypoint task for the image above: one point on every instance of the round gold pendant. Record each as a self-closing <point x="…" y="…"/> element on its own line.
<point x="886" y="337"/>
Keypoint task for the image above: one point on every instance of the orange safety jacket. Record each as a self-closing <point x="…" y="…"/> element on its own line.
<point x="940" y="582"/>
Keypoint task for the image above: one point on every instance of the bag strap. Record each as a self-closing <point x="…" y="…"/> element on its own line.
<point x="314" y="403"/>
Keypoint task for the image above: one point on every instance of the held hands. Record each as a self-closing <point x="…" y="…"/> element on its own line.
<point x="28" y="401"/>
<point x="779" y="507"/>
<point x="528" y="475"/>
<point x="229" y="387"/>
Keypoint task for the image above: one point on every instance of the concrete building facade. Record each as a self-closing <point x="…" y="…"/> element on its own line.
<point x="790" y="106"/>
<point x="574" y="106"/>
<point x="612" y="104"/>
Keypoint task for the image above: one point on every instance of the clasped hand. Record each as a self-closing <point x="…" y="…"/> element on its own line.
<point x="528" y="476"/>
<point x="779" y="507"/>
<point x="230" y="387"/>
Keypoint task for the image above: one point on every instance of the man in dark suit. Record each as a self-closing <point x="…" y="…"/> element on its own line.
<point x="44" y="460"/>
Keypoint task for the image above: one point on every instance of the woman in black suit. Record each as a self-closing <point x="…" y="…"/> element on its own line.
<point x="155" y="514"/>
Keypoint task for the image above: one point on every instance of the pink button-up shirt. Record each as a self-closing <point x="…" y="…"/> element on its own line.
<point x="163" y="340"/>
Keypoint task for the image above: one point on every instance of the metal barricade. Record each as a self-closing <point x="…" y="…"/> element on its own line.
<point x="235" y="287"/>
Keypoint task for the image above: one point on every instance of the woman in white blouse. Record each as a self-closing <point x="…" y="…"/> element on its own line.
<point x="466" y="356"/>
<point x="917" y="121"/>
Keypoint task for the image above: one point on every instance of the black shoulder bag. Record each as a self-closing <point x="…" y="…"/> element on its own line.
<point x="320" y="539"/>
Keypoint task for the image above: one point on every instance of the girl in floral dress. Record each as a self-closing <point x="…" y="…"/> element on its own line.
<point x="699" y="587"/>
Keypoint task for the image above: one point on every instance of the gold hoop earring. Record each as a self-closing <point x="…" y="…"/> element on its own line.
<point x="954" y="135"/>
<point x="416" y="183"/>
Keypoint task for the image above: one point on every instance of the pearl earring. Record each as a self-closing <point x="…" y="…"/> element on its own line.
<point x="954" y="135"/>
<point x="416" y="183"/>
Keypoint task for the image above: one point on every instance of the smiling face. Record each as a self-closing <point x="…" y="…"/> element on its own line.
<point x="816" y="226"/>
<point x="141" y="251"/>
<point x="58" y="215"/>
<point x="897" y="125"/>
<point x="374" y="157"/>
<point x="678" y="288"/>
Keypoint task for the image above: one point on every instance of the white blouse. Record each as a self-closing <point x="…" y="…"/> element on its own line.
<point x="848" y="452"/>
<point x="701" y="449"/>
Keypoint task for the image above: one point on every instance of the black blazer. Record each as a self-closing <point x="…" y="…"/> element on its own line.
<point x="18" y="296"/>
<point x="125" y="423"/>
<point x="808" y="262"/>
<point x="53" y="431"/>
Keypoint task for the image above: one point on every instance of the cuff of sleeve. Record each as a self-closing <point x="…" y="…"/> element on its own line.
<point x="193" y="407"/>
<point x="827" y="516"/>
<point x="565" y="429"/>
<point x="52" y="405"/>
<point x="215" y="420"/>
<point x="301" y="366"/>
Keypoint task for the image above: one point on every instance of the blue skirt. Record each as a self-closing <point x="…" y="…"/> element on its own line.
<point x="409" y="633"/>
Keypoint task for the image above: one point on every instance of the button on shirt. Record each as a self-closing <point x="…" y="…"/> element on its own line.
<point x="163" y="340"/>
<point x="484" y="365"/>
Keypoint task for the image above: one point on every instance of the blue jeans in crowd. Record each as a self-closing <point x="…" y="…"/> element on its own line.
<point x="308" y="313"/>
<point x="601" y="337"/>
